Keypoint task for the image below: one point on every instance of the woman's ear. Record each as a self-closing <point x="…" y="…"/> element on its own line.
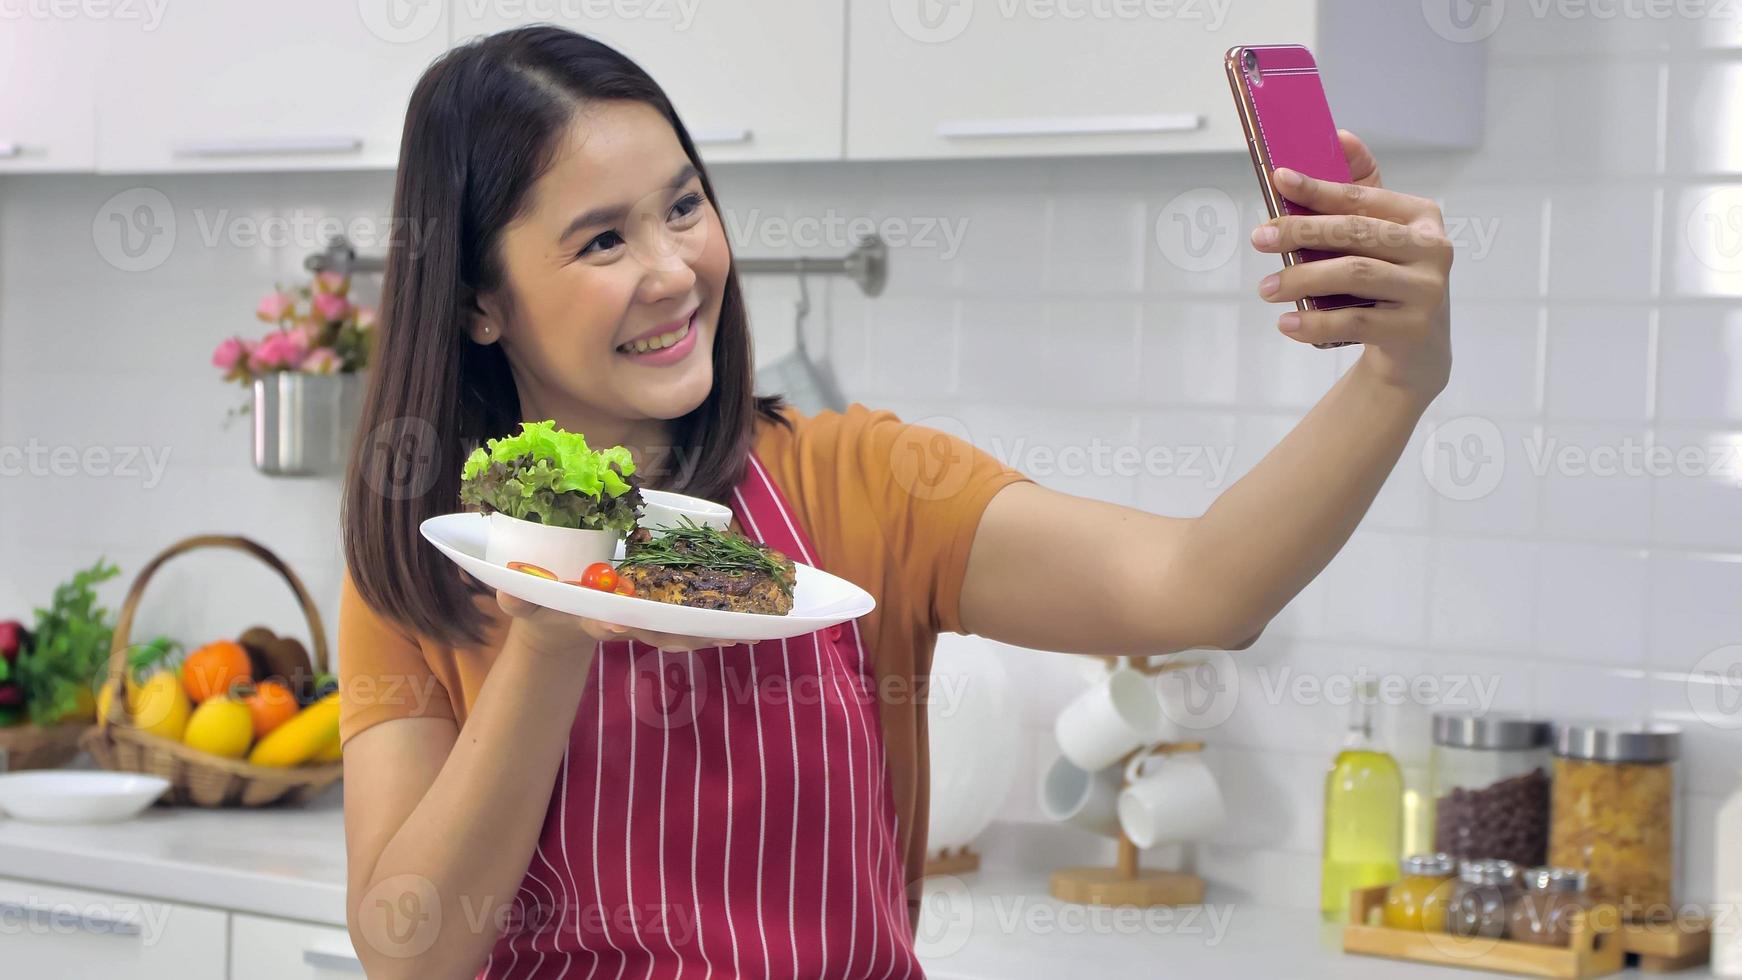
<point x="483" y="320"/>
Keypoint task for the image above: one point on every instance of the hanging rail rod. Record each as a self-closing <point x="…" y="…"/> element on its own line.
<point x="867" y="264"/>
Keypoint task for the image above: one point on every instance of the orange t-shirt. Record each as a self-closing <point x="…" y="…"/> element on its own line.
<point x="889" y="506"/>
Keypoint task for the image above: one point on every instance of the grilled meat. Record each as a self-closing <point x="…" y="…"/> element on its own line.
<point x="734" y="589"/>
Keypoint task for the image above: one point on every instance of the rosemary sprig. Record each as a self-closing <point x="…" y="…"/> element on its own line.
<point x="689" y="545"/>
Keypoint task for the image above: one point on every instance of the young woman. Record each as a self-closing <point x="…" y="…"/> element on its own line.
<point x="530" y="794"/>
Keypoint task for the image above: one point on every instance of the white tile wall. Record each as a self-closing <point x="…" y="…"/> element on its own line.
<point x="1109" y="300"/>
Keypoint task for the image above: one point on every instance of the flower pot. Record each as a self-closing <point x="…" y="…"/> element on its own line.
<point x="303" y="423"/>
<point x="564" y="551"/>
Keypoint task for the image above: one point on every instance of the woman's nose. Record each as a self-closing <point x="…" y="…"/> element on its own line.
<point x="666" y="276"/>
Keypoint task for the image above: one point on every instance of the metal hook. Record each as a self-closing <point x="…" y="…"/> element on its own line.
<point x="803" y="311"/>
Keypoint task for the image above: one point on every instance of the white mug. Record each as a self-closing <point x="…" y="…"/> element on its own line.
<point x="1169" y="799"/>
<point x="1109" y="720"/>
<point x="1085" y="800"/>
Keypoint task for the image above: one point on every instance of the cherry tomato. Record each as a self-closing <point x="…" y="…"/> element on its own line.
<point x="600" y="575"/>
<point x="624" y="587"/>
<point x="531" y="569"/>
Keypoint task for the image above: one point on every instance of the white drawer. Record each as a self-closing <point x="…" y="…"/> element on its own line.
<point x="50" y="931"/>
<point x="263" y="948"/>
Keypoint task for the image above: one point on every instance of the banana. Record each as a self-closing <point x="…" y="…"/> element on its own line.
<point x="301" y="738"/>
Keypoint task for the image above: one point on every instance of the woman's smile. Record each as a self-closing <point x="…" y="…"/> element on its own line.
<point x="663" y="345"/>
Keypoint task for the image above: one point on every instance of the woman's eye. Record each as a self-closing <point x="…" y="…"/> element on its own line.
<point x="604" y="242"/>
<point x="686" y="207"/>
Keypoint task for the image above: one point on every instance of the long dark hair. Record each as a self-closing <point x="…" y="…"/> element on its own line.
<point x="482" y="126"/>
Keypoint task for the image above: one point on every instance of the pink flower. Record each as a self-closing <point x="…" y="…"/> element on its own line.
<point x="275" y="307"/>
<point x="321" y="360"/>
<point x="366" y="318"/>
<point x="229" y="354"/>
<point x="331" y="307"/>
<point x="311" y="328"/>
<point x="280" y="351"/>
<point x="332" y="283"/>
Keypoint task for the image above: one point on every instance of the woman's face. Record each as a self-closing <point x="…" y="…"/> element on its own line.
<point x="614" y="275"/>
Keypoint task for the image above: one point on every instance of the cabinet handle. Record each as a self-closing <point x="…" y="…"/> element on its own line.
<point x="1068" y="125"/>
<point x="10" y="150"/>
<point x="267" y="146"/>
<point x="58" y="914"/>
<point x="320" y="959"/>
<point x="719" y="135"/>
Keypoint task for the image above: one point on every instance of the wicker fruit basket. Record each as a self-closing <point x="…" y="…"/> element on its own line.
<point x="199" y="778"/>
<point x="32" y="746"/>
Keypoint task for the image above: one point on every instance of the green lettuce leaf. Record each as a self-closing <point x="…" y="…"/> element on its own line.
<point x="553" y="477"/>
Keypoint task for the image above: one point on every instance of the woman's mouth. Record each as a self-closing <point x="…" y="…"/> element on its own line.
<point x="664" y="348"/>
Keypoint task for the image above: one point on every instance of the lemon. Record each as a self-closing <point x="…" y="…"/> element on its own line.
<point x="160" y="706"/>
<point x="222" y="726"/>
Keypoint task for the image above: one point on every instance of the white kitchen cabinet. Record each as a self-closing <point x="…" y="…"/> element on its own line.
<point x="263" y="948"/>
<point x="50" y="931"/>
<point x="47" y="70"/>
<point x="221" y="85"/>
<point x="751" y="79"/>
<point x="942" y="79"/>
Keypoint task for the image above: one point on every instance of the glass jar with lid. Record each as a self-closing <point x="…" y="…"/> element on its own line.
<point x="1418" y="900"/>
<point x="1614" y="812"/>
<point x="1553" y="900"/>
<point x="1482" y="899"/>
<point x="1490" y="778"/>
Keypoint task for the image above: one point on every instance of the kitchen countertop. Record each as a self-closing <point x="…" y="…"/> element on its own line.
<point x="286" y="862"/>
<point x="290" y="863"/>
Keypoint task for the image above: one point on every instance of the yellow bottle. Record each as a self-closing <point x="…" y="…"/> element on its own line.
<point x="1363" y="814"/>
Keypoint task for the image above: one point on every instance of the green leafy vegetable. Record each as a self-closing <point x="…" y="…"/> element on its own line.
<point x="71" y="649"/>
<point x="689" y="545"/>
<point x="546" y="475"/>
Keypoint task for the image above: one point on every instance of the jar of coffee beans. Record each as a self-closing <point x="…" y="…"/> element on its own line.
<point x="1490" y="782"/>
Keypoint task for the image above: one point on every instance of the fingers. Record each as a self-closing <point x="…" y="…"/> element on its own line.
<point x="607" y="632"/>
<point x="1353" y="275"/>
<point x="669" y="643"/>
<point x="1360" y="325"/>
<point x="1329" y="197"/>
<point x="1349" y="234"/>
<point x="1363" y="168"/>
<point x="515" y="606"/>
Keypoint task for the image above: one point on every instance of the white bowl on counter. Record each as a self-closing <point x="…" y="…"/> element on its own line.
<point x="660" y="510"/>
<point x="77" y="796"/>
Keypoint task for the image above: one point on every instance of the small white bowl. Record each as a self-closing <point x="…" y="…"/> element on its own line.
<point x="660" y="510"/>
<point x="564" y="551"/>
<point x="77" y="796"/>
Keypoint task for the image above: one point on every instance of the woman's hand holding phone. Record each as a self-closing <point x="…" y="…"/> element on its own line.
<point x="1394" y="251"/>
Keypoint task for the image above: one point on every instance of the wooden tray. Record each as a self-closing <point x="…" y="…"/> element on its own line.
<point x="1592" y="953"/>
<point x="1664" y="947"/>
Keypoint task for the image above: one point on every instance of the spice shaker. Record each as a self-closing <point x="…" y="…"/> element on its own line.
<point x="1482" y="899"/>
<point x="1491" y="788"/>
<point x="1418" y="900"/>
<point x="1613" y="813"/>
<point x="1553" y="899"/>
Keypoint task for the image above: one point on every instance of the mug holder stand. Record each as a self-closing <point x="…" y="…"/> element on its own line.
<point x="1127" y="882"/>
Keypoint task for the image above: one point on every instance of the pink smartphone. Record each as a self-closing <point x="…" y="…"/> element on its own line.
<point x="1288" y="124"/>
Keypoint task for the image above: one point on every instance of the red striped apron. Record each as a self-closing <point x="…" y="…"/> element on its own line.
<point x="722" y="812"/>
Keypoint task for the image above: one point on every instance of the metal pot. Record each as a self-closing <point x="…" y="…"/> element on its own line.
<point x="303" y="423"/>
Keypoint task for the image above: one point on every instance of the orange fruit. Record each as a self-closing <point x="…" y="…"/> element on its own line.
<point x="271" y="703"/>
<point x="210" y="670"/>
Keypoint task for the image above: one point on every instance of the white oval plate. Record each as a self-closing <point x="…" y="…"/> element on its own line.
<point x="77" y="796"/>
<point x="819" y="600"/>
